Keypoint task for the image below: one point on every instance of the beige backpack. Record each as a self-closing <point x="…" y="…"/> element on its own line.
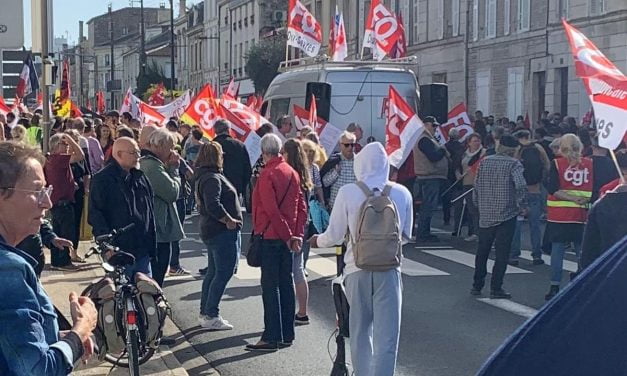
<point x="377" y="243"/>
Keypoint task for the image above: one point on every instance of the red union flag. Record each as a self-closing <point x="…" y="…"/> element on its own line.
<point x="606" y="85"/>
<point x="204" y="110"/>
<point x="369" y="26"/>
<point x="303" y="31"/>
<point x="244" y="123"/>
<point x="149" y="115"/>
<point x="457" y="118"/>
<point x="402" y="129"/>
<point x="313" y="113"/>
<point x="158" y="96"/>
<point x="382" y="31"/>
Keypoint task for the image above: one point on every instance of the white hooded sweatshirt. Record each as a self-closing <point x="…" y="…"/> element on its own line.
<point x="371" y="167"/>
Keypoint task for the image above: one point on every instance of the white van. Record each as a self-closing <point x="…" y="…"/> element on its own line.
<point x="357" y="91"/>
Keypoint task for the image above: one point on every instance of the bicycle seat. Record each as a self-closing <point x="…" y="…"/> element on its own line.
<point x="121" y="258"/>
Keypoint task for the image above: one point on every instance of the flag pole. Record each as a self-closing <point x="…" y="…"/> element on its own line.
<point x="620" y="172"/>
<point x="287" y="51"/>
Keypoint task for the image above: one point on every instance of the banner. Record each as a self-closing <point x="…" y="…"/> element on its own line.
<point x="303" y="31"/>
<point x="142" y="110"/>
<point x="177" y="107"/>
<point x="457" y="118"/>
<point x="402" y="129"/>
<point x="203" y="110"/>
<point x="606" y="85"/>
<point x="130" y="104"/>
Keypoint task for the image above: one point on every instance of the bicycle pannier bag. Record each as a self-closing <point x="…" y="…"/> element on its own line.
<point x="154" y="309"/>
<point x="377" y="242"/>
<point x="108" y="331"/>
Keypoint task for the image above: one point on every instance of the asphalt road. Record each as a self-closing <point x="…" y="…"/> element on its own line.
<point x="445" y="331"/>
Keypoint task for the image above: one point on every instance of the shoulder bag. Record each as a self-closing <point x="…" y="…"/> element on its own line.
<point x="253" y="257"/>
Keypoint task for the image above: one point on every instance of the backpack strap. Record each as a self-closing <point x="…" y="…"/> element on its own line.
<point x="364" y="188"/>
<point x="387" y="189"/>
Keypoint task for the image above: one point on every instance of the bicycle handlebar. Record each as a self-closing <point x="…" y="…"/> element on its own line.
<point x="103" y="240"/>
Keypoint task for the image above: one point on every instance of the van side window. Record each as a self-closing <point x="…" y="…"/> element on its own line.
<point x="278" y="108"/>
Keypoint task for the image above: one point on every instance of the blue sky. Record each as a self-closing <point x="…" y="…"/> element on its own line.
<point x="67" y="13"/>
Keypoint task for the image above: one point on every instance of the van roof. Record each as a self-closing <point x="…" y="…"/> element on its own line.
<point x="322" y="63"/>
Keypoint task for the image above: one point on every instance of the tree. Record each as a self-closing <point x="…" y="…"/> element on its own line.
<point x="263" y="59"/>
<point x="153" y="76"/>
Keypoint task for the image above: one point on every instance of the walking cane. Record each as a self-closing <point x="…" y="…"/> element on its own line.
<point x="341" y="309"/>
<point x="461" y="220"/>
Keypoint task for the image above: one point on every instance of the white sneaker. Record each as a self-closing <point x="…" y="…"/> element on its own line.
<point x="471" y="238"/>
<point x="215" y="323"/>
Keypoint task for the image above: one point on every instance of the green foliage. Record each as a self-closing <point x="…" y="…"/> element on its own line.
<point x="154" y="75"/>
<point x="263" y="59"/>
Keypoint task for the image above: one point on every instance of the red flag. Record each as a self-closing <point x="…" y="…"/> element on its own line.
<point x="251" y="102"/>
<point x="313" y="113"/>
<point x="402" y="128"/>
<point x="386" y="31"/>
<point x="526" y="121"/>
<point x="40" y="99"/>
<point x="475" y="166"/>
<point x="158" y="96"/>
<point x="457" y="118"/>
<point x="340" y="50"/>
<point x="65" y="81"/>
<point x="232" y="91"/>
<point x="400" y="48"/>
<point x="303" y="31"/>
<point x="332" y="36"/>
<point x="204" y="110"/>
<point x="259" y="103"/>
<point x="149" y="115"/>
<point x="369" y="26"/>
<point x="4" y="109"/>
<point x="75" y="111"/>
<point x="100" y="102"/>
<point x="302" y="119"/>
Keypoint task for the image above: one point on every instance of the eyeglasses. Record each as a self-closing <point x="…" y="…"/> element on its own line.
<point x="136" y="153"/>
<point x="348" y="145"/>
<point x="42" y="194"/>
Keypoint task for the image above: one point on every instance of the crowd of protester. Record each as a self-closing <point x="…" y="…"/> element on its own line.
<point x="103" y="174"/>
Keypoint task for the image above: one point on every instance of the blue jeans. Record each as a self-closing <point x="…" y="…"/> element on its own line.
<point x="142" y="265"/>
<point x="223" y="251"/>
<point x="279" y="304"/>
<point x="535" y="231"/>
<point x="375" y="300"/>
<point x="557" y="260"/>
<point x="429" y="192"/>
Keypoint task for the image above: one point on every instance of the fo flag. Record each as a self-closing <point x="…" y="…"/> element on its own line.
<point x="382" y="31"/>
<point x="402" y="129"/>
<point x="28" y="81"/>
<point x="606" y="85"/>
<point x="303" y="31"/>
<point x="457" y="118"/>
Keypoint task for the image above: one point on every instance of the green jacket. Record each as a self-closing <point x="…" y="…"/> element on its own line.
<point x="166" y="184"/>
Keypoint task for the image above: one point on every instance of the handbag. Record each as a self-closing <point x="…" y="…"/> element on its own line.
<point x="253" y="257"/>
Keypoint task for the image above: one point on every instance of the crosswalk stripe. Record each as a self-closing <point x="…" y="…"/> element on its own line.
<point x="568" y="265"/>
<point x="469" y="260"/>
<point x="416" y="269"/>
<point x="510" y="306"/>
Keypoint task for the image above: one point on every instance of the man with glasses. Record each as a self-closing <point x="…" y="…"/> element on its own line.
<point x="338" y="170"/>
<point x="121" y="195"/>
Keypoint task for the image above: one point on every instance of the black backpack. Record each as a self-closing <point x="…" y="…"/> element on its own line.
<point x="532" y="162"/>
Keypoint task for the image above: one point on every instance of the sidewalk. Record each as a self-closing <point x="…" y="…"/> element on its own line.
<point x="59" y="284"/>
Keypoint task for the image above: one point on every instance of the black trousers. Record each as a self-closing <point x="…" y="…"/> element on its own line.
<point x="161" y="262"/>
<point x="79" y="203"/>
<point x="63" y="224"/>
<point x="501" y="235"/>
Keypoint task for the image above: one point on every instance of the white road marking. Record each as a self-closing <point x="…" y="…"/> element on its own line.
<point x="469" y="260"/>
<point x="317" y="264"/>
<point x="510" y="306"/>
<point x="416" y="269"/>
<point x="192" y="240"/>
<point x="568" y="265"/>
<point x="433" y="247"/>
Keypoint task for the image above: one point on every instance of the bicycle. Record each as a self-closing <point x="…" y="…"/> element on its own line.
<point x="135" y="352"/>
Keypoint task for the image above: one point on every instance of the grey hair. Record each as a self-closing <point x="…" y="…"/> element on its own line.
<point x="221" y="126"/>
<point x="161" y="138"/>
<point x="352" y="127"/>
<point x="271" y="144"/>
<point x="453" y="134"/>
<point x="54" y="141"/>
<point x="350" y="136"/>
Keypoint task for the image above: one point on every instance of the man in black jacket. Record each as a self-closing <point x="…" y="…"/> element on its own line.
<point x="236" y="160"/>
<point x="121" y="195"/>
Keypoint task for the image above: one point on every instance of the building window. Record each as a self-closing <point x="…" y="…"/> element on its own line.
<point x="515" y="91"/>
<point x="475" y="20"/>
<point x="226" y="20"/>
<point x="562" y="11"/>
<point x="597" y="7"/>
<point x="506" y="16"/>
<point x="415" y="23"/>
<point x="107" y="60"/>
<point x="438" y="78"/>
<point x="455" y="17"/>
<point x="523" y="15"/>
<point x="482" y="89"/>
<point x="490" y="19"/>
<point x="252" y="19"/>
<point x="441" y="17"/>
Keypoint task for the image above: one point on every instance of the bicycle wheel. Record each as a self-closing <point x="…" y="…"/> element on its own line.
<point x="122" y="360"/>
<point x="132" y="345"/>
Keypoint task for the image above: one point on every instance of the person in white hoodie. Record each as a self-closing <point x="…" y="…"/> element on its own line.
<point x="375" y="298"/>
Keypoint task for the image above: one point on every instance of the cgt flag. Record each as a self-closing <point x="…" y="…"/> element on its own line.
<point x="204" y="110"/>
<point x="606" y="85"/>
<point x="402" y="128"/>
<point x="457" y="118"/>
<point x="28" y="81"/>
<point x="303" y="31"/>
